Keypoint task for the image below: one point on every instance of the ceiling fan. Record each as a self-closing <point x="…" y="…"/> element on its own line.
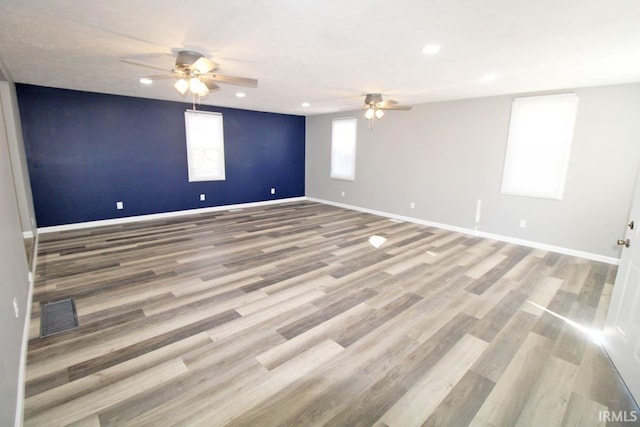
<point x="197" y="74"/>
<point x="374" y="106"/>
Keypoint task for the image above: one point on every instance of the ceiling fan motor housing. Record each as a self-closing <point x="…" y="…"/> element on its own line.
<point x="373" y="98"/>
<point x="187" y="58"/>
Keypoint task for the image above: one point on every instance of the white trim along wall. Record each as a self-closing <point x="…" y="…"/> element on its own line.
<point x="523" y="242"/>
<point x="151" y="217"/>
<point x="528" y="243"/>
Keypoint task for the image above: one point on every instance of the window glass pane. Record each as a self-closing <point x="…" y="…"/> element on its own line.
<point x="205" y="146"/>
<point x="343" y="149"/>
<point x="539" y="145"/>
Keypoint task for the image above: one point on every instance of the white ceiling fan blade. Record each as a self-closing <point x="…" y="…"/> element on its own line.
<point x="164" y="76"/>
<point x="397" y="107"/>
<point x="204" y="65"/>
<point x="387" y="103"/>
<point x="211" y="85"/>
<point x="233" y="80"/>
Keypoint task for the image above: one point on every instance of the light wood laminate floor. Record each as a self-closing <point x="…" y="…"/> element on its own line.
<point x="288" y="315"/>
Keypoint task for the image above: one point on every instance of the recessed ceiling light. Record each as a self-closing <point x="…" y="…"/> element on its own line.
<point x="305" y="104"/>
<point x="431" y="49"/>
<point x="146" y="81"/>
<point x="241" y="94"/>
<point x="489" y="77"/>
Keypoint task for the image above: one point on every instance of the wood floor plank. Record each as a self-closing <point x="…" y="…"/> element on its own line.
<point x="483" y="267"/>
<point x="286" y="314"/>
<point x="298" y="344"/>
<point x="96" y="346"/>
<point x="542" y="295"/>
<point x="91" y="383"/>
<point x="486" y="302"/>
<point x="367" y="324"/>
<point x="113" y="358"/>
<point x="547" y="405"/>
<point x="277" y="297"/>
<point x="209" y="368"/>
<point x="500" y="352"/>
<point x="582" y="411"/>
<point x="491" y="324"/>
<point x="91" y="421"/>
<point x="489" y="278"/>
<point x="461" y="404"/>
<point x="317" y="397"/>
<point x="603" y="307"/>
<point x="419" y="402"/>
<point x="550" y="324"/>
<point x="88" y="404"/>
<point x="572" y="340"/>
<point x="374" y="402"/>
<point x="217" y="385"/>
<point x="505" y="403"/>
<point x="281" y="376"/>
<point x="594" y="381"/>
<point x="301" y="325"/>
<point x="574" y="275"/>
<point x="290" y="310"/>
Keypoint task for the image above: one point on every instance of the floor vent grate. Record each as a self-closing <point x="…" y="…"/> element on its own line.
<point x="58" y="316"/>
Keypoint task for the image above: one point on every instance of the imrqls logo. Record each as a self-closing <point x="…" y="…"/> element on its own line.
<point x="618" y="416"/>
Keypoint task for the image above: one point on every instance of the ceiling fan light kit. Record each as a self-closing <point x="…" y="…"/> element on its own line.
<point x="369" y="113"/>
<point x="182" y="86"/>
<point x="374" y="106"/>
<point x="197" y="86"/>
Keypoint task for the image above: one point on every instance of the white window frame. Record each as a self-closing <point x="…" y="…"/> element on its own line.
<point x="343" y="148"/>
<point x="539" y="145"/>
<point x="205" y="146"/>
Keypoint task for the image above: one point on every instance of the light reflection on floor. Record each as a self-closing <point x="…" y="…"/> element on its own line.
<point x="595" y="335"/>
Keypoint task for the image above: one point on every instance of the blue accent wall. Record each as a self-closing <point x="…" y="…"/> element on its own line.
<point x="86" y="151"/>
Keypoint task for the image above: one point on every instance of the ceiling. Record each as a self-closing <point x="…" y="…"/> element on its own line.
<point x="327" y="53"/>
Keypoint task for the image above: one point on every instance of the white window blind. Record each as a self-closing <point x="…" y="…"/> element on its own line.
<point x="205" y="145"/>
<point x="343" y="148"/>
<point x="539" y="145"/>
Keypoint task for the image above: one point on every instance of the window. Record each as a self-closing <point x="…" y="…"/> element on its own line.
<point x="539" y="144"/>
<point x="205" y="145"/>
<point x="343" y="149"/>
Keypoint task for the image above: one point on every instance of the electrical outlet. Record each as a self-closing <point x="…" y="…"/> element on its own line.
<point x="119" y="205"/>
<point x="273" y="190"/>
<point x="412" y="205"/>
<point x="202" y="197"/>
<point x="15" y="307"/>
<point x="342" y="194"/>
<point x="523" y="223"/>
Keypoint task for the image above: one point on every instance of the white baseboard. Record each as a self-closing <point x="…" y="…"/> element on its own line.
<point x="150" y="217"/>
<point x="508" y="239"/>
<point x="499" y="237"/>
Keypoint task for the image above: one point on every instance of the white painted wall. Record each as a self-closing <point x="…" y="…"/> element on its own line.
<point x="19" y="168"/>
<point x="14" y="284"/>
<point x="446" y="156"/>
